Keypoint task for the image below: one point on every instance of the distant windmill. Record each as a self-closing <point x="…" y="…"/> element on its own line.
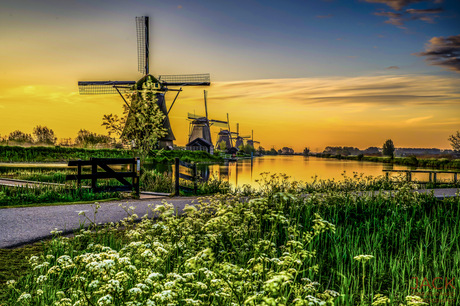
<point x="239" y="139"/>
<point x="251" y="141"/>
<point x="200" y="127"/>
<point x="148" y="83"/>
<point x="225" y="136"/>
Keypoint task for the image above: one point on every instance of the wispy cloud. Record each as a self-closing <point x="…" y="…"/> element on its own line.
<point x="417" y="119"/>
<point x="444" y="52"/>
<point x="392" y="67"/>
<point x="400" y="4"/>
<point x="374" y="90"/>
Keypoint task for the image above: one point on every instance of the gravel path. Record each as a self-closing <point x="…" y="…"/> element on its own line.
<point x="23" y="225"/>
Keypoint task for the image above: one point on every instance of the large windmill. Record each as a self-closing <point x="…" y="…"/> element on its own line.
<point x="200" y="126"/>
<point x="225" y="136"/>
<point x="148" y="83"/>
<point x="251" y="141"/>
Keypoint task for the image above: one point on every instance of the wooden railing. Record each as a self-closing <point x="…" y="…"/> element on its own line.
<point x="103" y="163"/>
<point x="432" y="174"/>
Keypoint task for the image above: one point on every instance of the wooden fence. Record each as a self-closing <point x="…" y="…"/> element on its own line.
<point x="108" y="173"/>
<point x="178" y="175"/>
<point x="432" y="174"/>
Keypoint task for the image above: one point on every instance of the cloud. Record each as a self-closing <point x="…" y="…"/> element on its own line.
<point x="179" y="6"/>
<point x="400" y="4"/>
<point x="398" y="19"/>
<point x="418" y="119"/>
<point x="374" y="90"/>
<point x="392" y="67"/>
<point x="444" y="52"/>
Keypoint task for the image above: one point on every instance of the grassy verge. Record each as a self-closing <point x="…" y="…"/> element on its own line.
<point x="20" y="196"/>
<point x="64" y="154"/>
<point x="276" y="248"/>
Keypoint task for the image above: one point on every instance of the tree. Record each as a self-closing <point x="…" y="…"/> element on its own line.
<point x="455" y="141"/>
<point x="44" y="135"/>
<point x="86" y="138"/>
<point x="19" y="136"/>
<point x="388" y="148"/>
<point x="306" y="151"/>
<point x="141" y="123"/>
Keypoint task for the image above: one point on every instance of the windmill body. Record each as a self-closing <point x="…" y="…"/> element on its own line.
<point x="147" y="84"/>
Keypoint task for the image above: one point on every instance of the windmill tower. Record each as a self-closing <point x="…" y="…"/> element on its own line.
<point x="147" y="84"/>
<point x="200" y="126"/>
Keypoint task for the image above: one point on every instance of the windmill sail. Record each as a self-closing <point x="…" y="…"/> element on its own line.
<point x="104" y="87"/>
<point x="185" y="79"/>
<point x="142" y="29"/>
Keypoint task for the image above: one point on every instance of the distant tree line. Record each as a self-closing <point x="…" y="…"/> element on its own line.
<point x="43" y="135"/>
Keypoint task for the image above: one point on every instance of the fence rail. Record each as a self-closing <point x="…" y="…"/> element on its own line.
<point x="108" y="173"/>
<point x="432" y="174"/>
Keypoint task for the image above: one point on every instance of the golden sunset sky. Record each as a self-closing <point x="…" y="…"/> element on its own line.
<point x="328" y="73"/>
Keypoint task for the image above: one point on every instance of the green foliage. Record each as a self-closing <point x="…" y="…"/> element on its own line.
<point x="152" y="180"/>
<point x="11" y="196"/>
<point x="142" y="124"/>
<point x="44" y="135"/>
<point x="306" y="151"/>
<point x="388" y="148"/>
<point x="86" y="138"/>
<point x="454" y="140"/>
<point x="20" y="137"/>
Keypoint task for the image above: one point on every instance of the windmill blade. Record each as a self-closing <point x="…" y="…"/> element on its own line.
<point x="193" y="116"/>
<point x="186" y="80"/>
<point x="142" y="29"/>
<point x="218" y="123"/>
<point x="245" y="136"/>
<point x="104" y="87"/>
<point x="255" y="141"/>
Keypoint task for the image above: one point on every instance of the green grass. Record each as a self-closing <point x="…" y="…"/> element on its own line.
<point x="64" y="154"/>
<point x="270" y="249"/>
<point x="20" y="196"/>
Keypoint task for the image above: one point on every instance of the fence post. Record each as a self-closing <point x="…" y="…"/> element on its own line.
<point x="409" y="176"/>
<point x="93" y="174"/>
<point x="176" y="175"/>
<point x="434" y="178"/>
<point x="455" y="178"/>
<point x="79" y="175"/>
<point x="136" y="172"/>
<point x="195" y="184"/>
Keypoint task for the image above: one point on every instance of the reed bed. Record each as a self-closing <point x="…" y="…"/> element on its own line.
<point x="276" y="246"/>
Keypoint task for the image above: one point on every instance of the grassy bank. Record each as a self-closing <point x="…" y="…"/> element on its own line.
<point x="18" y="196"/>
<point x="277" y="248"/>
<point x="64" y="154"/>
<point x="437" y="163"/>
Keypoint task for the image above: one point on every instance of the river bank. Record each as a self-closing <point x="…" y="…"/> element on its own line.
<point x="412" y="161"/>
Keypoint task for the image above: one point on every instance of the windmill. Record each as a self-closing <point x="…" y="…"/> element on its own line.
<point x="251" y="141"/>
<point x="147" y="84"/>
<point x="239" y="139"/>
<point x="200" y="127"/>
<point x="225" y="136"/>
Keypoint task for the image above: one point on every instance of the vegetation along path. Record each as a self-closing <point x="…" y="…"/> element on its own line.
<point x="23" y="225"/>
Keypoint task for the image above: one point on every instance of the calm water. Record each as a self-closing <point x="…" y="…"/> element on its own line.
<point x="298" y="168"/>
<point x="247" y="172"/>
